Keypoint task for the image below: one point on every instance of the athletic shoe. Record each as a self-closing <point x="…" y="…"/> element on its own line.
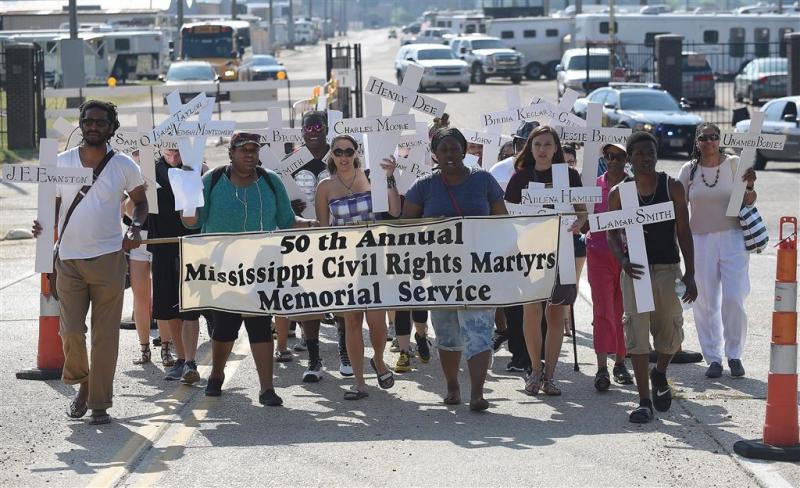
<point x="270" y="398"/>
<point x="549" y="387"/>
<point x="622" y="375"/>
<point x="423" y="347"/>
<point x="127" y="325"/>
<point x="601" y="380"/>
<point x="395" y="345"/>
<point x="329" y="319"/>
<point x="661" y="391"/>
<point x="345" y="368"/>
<point x="714" y="370"/>
<point x="498" y="339"/>
<point x="175" y="372"/>
<point x="313" y="373"/>
<point x="737" y="369"/>
<point x="533" y="382"/>
<point x="300" y="346"/>
<point x="214" y="386"/>
<point x="403" y="364"/>
<point x="513" y="367"/>
<point x="190" y="374"/>
<point x="642" y="414"/>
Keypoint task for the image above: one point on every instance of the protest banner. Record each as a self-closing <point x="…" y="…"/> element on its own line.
<point x="452" y="263"/>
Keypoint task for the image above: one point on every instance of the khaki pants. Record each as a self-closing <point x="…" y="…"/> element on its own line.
<point x="665" y="323"/>
<point x="101" y="282"/>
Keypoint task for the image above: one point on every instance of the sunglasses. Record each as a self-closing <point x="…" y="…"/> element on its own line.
<point x="101" y="123"/>
<point x="313" y="128"/>
<point x="349" y="152"/>
<point x="616" y="156"/>
<point x="709" y="137"/>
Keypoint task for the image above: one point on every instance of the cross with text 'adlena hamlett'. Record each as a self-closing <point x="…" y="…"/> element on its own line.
<point x="562" y="198"/>
<point x="632" y="218"/>
<point x="749" y="143"/>
<point x="47" y="175"/>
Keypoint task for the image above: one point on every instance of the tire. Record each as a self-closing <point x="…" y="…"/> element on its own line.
<point x="550" y="70"/>
<point x="463" y="88"/>
<point x="478" y="77"/>
<point x="516" y="79"/>
<point x="760" y="163"/>
<point x="534" y="71"/>
<point x="752" y="96"/>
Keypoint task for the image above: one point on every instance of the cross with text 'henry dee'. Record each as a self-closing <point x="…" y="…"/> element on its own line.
<point x="562" y="197"/>
<point x="405" y="96"/>
<point x="47" y="175"/>
<point x="632" y="218"/>
<point x="749" y="143"/>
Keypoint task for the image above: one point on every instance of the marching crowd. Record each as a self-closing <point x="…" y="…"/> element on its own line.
<point x="93" y="253"/>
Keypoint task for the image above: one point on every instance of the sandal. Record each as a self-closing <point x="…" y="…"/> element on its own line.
<point x="146" y="355"/>
<point x="642" y="415"/>
<point x="283" y="356"/>
<point x="622" y="375"/>
<point x="99" y="417"/>
<point x="167" y="359"/>
<point x="385" y="380"/>
<point x="452" y="400"/>
<point x="355" y="394"/>
<point x="602" y="381"/>
<point x="76" y="411"/>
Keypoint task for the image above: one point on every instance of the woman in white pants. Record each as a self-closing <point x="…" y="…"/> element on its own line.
<point x="721" y="260"/>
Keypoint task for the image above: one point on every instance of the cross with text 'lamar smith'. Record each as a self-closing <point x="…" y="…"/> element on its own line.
<point x="562" y="197"/>
<point x="750" y="143"/>
<point x="47" y="175"/>
<point x="632" y="218"/>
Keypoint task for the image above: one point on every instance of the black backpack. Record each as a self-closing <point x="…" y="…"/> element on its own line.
<point x="216" y="174"/>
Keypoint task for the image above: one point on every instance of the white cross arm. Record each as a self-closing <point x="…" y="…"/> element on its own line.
<point x="569" y="196"/>
<point x="620" y="219"/>
<point x="404" y="97"/>
<point x="169" y="126"/>
<point x="367" y="125"/>
<point x="588" y="135"/>
<point x="23" y="173"/>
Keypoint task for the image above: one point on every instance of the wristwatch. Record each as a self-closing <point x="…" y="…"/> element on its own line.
<point x="391" y="182"/>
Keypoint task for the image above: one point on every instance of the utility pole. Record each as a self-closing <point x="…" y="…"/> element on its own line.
<point x="290" y="26"/>
<point x="271" y="26"/>
<point x="343" y="18"/>
<point x="325" y="19"/>
<point x="177" y="43"/>
<point x="73" y="19"/>
<point x="233" y="9"/>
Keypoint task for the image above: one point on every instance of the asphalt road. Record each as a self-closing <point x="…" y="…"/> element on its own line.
<point x="170" y="435"/>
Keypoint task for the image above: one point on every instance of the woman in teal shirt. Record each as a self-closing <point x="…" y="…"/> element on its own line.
<point x="241" y="197"/>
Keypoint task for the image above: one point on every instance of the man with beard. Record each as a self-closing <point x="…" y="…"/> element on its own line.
<point x="90" y="262"/>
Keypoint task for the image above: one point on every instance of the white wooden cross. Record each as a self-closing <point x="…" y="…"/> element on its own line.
<point x="491" y="142"/>
<point x="749" y="143"/>
<point x="632" y="218"/>
<point x="412" y="157"/>
<point x="278" y="131"/>
<point x="405" y="96"/>
<point x="562" y="197"/>
<point x="47" y="175"/>
<point x="541" y="111"/>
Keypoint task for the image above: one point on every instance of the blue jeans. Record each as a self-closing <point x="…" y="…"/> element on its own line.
<point x="468" y="330"/>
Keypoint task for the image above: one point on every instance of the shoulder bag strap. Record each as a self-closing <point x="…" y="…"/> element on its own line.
<point x="85" y="189"/>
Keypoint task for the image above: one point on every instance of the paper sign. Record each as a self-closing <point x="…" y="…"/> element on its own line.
<point x="345" y="77"/>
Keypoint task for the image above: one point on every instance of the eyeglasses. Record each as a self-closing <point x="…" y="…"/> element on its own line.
<point x="349" y="152"/>
<point x="100" y="123"/>
<point x="313" y="128"/>
<point x="709" y="137"/>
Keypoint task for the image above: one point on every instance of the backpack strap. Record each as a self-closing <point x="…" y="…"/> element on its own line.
<point x="217" y="172"/>
<point x="84" y="190"/>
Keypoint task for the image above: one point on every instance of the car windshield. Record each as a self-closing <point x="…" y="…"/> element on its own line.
<point x="488" y="44"/>
<point x="190" y="73"/>
<point x="217" y="45"/>
<point x="649" y="100"/>
<point x="774" y="65"/>
<point x="596" y="61"/>
<point x="429" y="54"/>
<point x="264" y="61"/>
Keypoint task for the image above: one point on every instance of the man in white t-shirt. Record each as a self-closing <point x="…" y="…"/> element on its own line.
<point x="504" y="170"/>
<point x="91" y="261"/>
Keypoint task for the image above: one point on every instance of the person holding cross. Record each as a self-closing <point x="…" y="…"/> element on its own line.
<point x="534" y="164"/>
<point x="662" y="242"/>
<point x="722" y="272"/>
<point x="243" y="197"/>
<point x="90" y="260"/>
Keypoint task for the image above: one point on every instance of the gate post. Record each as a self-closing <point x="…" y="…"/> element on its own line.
<point x="792" y="39"/>
<point x="20" y="96"/>
<point x="669" y="66"/>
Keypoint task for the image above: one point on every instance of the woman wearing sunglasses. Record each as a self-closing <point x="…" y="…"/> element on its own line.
<point x="721" y="260"/>
<point x="344" y="198"/>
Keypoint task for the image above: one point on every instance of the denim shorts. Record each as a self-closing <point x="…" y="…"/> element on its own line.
<point x="468" y="330"/>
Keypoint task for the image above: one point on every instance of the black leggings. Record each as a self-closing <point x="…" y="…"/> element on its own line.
<point x="226" y="327"/>
<point x="402" y="320"/>
<point x="516" y="337"/>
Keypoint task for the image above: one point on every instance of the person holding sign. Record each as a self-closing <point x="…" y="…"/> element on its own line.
<point x="534" y="164"/>
<point x="665" y="323"/>
<point x="90" y="260"/>
<point x="722" y="272"/>
<point x="243" y="197"/>
<point x="604" y="278"/>
<point x="456" y="191"/>
<point x="344" y="198"/>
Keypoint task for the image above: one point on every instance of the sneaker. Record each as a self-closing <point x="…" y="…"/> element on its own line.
<point x="498" y="339"/>
<point x="395" y="345"/>
<point x="715" y="370"/>
<point x="513" y="367"/>
<point x="313" y="373"/>
<point x="345" y="368"/>
<point x="270" y="398"/>
<point x="300" y="346"/>
<point x="661" y="391"/>
<point x="642" y="414"/>
<point x="602" y="381"/>
<point x="423" y="347"/>
<point x="403" y="364"/>
<point x="549" y="387"/>
<point x="737" y="369"/>
<point x="329" y="319"/>
<point x="175" y="372"/>
<point x="533" y="382"/>
<point x="214" y="386"/>
<point x="190" y="374"/>
<point x="622" y="375"/>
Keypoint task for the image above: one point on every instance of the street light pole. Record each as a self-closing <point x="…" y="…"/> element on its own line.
<point x="73" y="19"/>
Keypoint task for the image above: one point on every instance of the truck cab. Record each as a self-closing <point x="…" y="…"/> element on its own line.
<point x="488" y="57"/>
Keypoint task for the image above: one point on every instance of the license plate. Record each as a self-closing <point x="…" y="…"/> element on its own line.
<point x="676" y="142"/>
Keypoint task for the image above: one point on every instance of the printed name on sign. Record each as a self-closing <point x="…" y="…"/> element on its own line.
<point x="388" y="123"/>
<point x="44" y="174"/>
<point x="405" y="97"/>
<point x="649" y="214"/>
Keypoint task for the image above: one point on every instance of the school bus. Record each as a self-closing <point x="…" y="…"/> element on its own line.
<point x="221" y="43"/>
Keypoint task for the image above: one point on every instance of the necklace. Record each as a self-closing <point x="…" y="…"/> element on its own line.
<point x="652" y="197"/>
<point x="703" y="177"/>
<point x="350" y="186"/>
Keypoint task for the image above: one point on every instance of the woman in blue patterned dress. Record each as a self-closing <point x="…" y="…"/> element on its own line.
<point x="344" y="198"/>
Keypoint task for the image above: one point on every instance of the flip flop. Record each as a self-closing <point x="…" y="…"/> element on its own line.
<point x="385" y="380"/>
<point x="452" y="400"/>
<point x="355" y="395"/>
<point x="76" y="411"/>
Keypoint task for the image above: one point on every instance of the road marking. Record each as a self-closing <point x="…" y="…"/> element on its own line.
<point x="764" y="471"/>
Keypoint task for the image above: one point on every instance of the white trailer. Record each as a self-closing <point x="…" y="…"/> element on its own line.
<point x="539" y="39"/>
<point x="136" y="55"/>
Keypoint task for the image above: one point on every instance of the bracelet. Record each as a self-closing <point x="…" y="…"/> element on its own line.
<point x="749" y="189"/>
<point x="391" y="182"/>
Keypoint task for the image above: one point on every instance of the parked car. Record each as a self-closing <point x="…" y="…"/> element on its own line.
<point x="442" y="69"/>
<point x="697" y="83"/>
<point x="780" y="117"/>
<point x="183" y="73"/>
<point x="571" y="72"/>
<point x="762" y="78"/>
<point x="434" y="35"/>
<point x="488" y="57"/>
<point x="645" y="106"/>
<point x="262" y="67"/>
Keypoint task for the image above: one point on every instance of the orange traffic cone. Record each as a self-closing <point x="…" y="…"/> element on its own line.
<point x="781" y="441"/>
